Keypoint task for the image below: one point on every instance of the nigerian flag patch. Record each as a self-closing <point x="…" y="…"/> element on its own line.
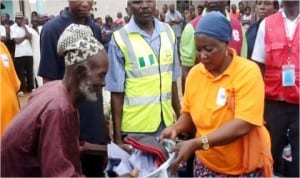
<point x="146" y="60"/>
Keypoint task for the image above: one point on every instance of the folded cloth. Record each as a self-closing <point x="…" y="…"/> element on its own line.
<point x="118" y="160"/>
<point x="150" y="144"/>
<point x="142" y="161"/>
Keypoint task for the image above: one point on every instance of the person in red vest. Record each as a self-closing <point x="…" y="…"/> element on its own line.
<point x="187" y="44"/>
<point x="276" y="50"/>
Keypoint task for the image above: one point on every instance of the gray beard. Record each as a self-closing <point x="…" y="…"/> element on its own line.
<point x="85" y="90"/>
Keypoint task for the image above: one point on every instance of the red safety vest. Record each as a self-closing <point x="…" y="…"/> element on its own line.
<point x="237" y="33"/>
<point x="279" y="48"/>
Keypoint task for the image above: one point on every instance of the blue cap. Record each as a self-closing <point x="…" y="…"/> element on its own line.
<point x="215" y="25"/>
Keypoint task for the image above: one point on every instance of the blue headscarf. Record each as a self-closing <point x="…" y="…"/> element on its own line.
<point x="215" y="25"/>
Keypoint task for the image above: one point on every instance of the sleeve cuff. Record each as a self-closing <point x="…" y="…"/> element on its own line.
<point x="187" y="62"/>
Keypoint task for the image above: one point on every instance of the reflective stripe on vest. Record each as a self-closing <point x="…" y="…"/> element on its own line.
<point x="148" y="82"/>
<point x="144" y="100"/>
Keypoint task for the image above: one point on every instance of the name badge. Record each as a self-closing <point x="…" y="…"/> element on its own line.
<point x="221" y="97"/>
<point x="288" y="75"/>
<point x="5" y="60"/>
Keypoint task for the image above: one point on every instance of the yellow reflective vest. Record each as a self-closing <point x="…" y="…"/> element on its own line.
<point x="148" y="81"/>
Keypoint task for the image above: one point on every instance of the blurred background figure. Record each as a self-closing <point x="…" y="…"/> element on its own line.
<point x="6" y="23"/>
<point x="156" y="14"/>
<point x="200" y="9"/>
<point x="119" y="22"/>
<point x="264" y="9"/>
<point x="192" y="12"/>
<point x="234" y="13"/>
<point x="51" y="17"/>
<point x="247" y="18"/>
<point x="107" y="31"/>
<point x="35" y="30"/>
<point x="127" y="18"/>
<point x="2" y="29"/>
<point x="241" y="9"/>
<point x="163" y="12"/>
<point x="99" y="22"/>
<point x="23" y="53"/>
<point x="34" y="13"/>
<point x="26" y="20"/>
<point x="174" y="19"/>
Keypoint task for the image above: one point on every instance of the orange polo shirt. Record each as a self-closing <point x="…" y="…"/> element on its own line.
<point x="10" y="84"/>
<point x="213" y="101"/>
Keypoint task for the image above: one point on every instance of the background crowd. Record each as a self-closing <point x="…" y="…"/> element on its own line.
<point x="177" y="20"/>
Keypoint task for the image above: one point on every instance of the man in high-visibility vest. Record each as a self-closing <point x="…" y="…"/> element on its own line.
<point x="143" y="70"/>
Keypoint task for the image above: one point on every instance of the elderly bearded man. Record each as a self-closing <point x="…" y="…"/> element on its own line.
<point x="43" y="139"/>
<point x="92" y="121"/>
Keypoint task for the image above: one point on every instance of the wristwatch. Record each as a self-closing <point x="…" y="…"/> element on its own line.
<point x="205" y="144"/>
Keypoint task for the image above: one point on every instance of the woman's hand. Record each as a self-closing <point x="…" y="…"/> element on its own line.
<point x="168" y="133"/>
<point x="183" y="151"/>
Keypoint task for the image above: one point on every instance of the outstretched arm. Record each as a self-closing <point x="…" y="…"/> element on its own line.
<point x="117" y="100"/>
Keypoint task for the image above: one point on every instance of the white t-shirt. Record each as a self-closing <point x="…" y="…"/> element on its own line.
<point x="2" y="31"/>
<point x="246" y="17"/>
<point x="24" y="48"/>
<point x="259" y="53"/>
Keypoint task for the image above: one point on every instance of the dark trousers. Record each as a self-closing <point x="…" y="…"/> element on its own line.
<point x="280" y="117"/>
<point x="93" y="165"/>
<point x="24" y="69"/>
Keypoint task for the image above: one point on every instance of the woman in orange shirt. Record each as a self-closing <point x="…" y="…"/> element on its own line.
<point x="10" y="84"/>
<point x="223" y="103"/>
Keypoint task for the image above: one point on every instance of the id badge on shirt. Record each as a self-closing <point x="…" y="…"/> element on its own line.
<point x="288" y="75"/>
<point x="221" y="97"/>
<point x="5" y="60"/>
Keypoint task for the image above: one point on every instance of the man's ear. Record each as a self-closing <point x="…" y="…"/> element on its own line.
<point x="81" y="71"/>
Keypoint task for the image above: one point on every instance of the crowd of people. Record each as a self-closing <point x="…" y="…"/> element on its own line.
<point x="239" y="71"/>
